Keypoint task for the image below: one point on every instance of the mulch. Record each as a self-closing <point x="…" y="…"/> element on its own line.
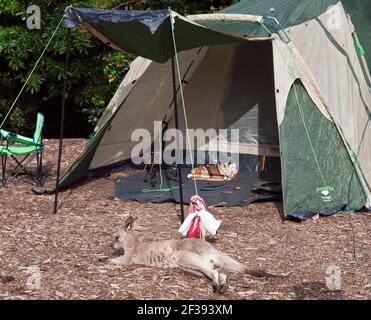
<point x="68" y="248"/>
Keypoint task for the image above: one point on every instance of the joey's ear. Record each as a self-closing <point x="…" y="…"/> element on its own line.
<point x="129" y="223"/>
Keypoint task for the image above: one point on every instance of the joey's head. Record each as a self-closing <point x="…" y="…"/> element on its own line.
<point x="125" y="238"/>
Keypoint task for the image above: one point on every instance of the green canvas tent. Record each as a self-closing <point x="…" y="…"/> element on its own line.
<point x="291" y="75"/>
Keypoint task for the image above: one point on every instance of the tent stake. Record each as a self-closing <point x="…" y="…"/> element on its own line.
<point x="68" y="46"/>
<point x="177" y="128"/>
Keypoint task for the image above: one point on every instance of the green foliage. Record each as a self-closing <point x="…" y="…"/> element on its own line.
<point x="95" y="70"/>
<point x="10" y="6"/>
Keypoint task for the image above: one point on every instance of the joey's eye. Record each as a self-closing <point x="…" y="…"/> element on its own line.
<point x="117" y="238"/>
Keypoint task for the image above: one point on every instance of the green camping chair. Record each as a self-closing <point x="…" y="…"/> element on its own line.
<point x="15" y="145"/>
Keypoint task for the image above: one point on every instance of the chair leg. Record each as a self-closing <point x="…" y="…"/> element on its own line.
<point x="3" y="168"/>
<point x="21" y="167"/>
<point x="39" y="169"/>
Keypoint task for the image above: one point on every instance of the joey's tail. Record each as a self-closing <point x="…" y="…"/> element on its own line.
<point x="224" y="261"/>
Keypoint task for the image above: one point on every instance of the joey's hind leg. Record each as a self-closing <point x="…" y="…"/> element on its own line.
<point x="194" y="263"/>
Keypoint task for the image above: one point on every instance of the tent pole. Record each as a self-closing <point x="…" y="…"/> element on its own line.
<point x="68" y="46"/>
<point x="177" y="128"/>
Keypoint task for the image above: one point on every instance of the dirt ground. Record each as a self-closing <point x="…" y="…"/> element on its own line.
<point x="68" y="247"/>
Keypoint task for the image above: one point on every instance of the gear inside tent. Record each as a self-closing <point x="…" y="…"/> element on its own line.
<point x="291" y="77"/>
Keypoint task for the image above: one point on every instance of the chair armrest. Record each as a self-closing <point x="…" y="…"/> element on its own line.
<point x="9" y="136"/>
<point x="3" y="133"/>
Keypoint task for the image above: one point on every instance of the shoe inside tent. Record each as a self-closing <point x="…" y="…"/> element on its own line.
<point x="292" y="76"/>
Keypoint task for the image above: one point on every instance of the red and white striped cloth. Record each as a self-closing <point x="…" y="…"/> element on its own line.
<point x="199" y="220"/>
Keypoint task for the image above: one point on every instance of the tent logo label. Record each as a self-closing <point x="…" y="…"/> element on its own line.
<point x="325" y="193"/>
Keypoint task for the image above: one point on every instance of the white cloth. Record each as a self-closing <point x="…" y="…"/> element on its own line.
<point x="210" y="224"/>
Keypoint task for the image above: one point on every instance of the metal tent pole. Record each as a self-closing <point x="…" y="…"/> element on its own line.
<point x="177" y="127"/>
<point x="68" y="46"/>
